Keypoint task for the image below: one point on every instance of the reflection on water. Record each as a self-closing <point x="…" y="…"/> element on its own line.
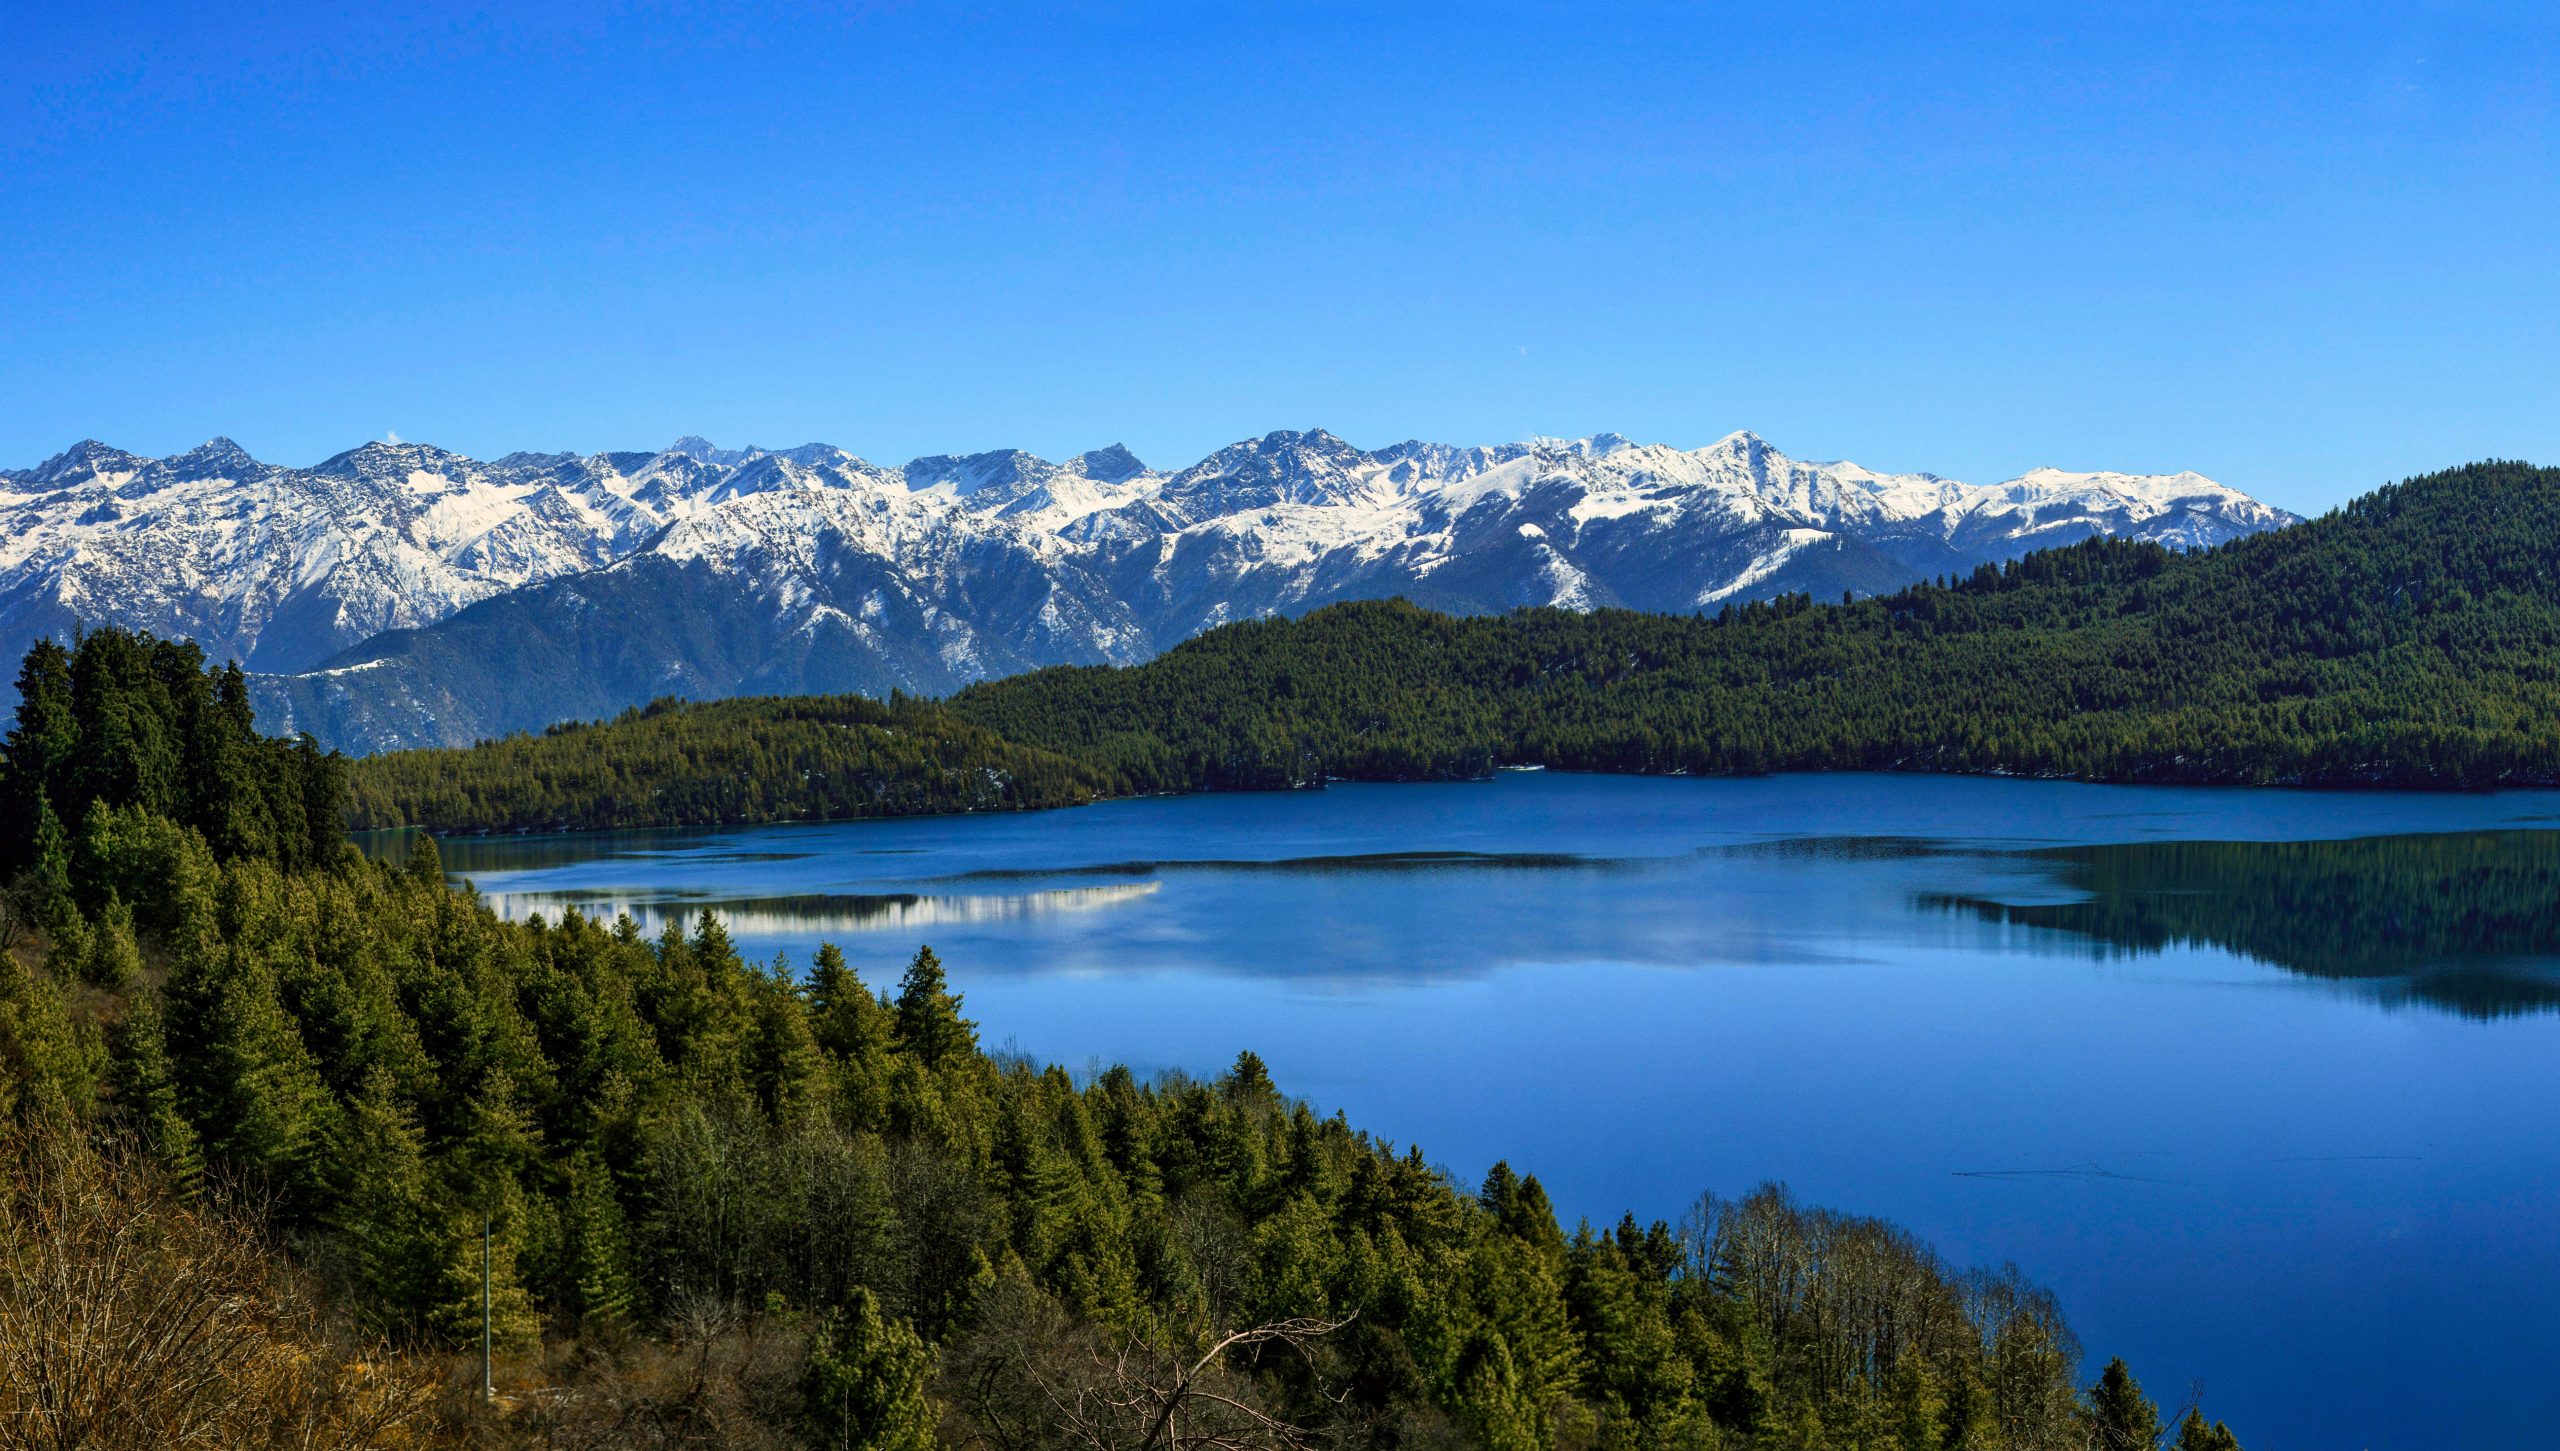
<point x="471" y="855"/>
<point x="1382" y="861"/>
<point x="2464" y="921"/>
<point x="817" y="915"/>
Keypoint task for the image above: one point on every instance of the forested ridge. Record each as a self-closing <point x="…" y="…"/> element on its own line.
<point x="671" y="763"/>
<point x="268" y="1109"/>
<point x="2411" y="638"/>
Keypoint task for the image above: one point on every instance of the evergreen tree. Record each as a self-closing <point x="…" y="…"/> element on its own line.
<point x="2195" y="1435"/>
<point x="47" y="1074"/>
<point x="784" y="1066"/>
<point x="2121" y="1417"/>
<point x="382" y="1213"/>
<point x="230" y="802"/>
<point x="146" y="1090"/>
<point x="49" y="867"/>
<point x="246" y="1079"/>
<point x="863" y="1387"/>
<point x="34" y="762"/>
<point x="478" y="1277"/>
<point x="316" y="781"/>
<point x="426" y="863"/>
<point x="497" y="1143"/>
<point x="601" y="1288"/>
<point x="112" y="958"/>
<point x="845" y="1017"/>
<point x="929" y="1021"/>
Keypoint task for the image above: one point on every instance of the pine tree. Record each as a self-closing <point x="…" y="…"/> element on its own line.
<point x="498" y="1143"/>
<point x="146" y="1090"/>
<point x="601" y="1288"/>
<point x="128" y="753"/>
<point x="246" y="1079"/>
<point x="2121" y="1417"/>
<point x="846" y="1018"/>
<point x="34" y="761"/>
<point x="2195" y="1435"/>
<point x="480" y="1249"/>
<point x="230" y="801"/>
<point x="381" y="1213"/>
<point x="863" y="1386"/>
<point x="929" y="1021"/>
<point x="1248" y="1082"/>
<point x="49" y="864"/>
<point x="425" y="866"/>
<point x="316" y="780"/>
<point x="784" y="1066"/>
<point x="46" y="1072"/>
<point x="112" y="958"/>
<point x="1919" y="1408"/>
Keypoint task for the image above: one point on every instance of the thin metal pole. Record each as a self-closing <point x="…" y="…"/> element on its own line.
<point x="488" y="1383"/>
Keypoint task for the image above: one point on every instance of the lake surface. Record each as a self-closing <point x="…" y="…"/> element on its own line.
<point x="2265" y="1085"/>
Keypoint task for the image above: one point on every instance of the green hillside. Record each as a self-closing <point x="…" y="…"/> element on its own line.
<point x="833" y="757"/>
<point x="2411" y="638"/>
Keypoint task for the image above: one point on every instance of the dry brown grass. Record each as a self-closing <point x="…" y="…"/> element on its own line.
<point x="132" y="1320"/>
<point x="723" y="1380"/>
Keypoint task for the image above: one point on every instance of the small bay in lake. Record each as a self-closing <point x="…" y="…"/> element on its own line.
<point x="2265" y="1085"/>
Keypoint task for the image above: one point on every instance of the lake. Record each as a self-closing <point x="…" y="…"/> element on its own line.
<point x="2265" y="1085"/>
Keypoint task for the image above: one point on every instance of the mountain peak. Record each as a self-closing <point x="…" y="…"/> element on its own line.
<point x="215" y="452"/>
<point x="383" y="459"/>
<point x="1279" y="439"/>
<point x="702" y="450"/>
<point x="86" y="458"/>
<point x="1111" y="464"/>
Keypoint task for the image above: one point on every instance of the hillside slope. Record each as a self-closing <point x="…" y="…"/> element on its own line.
<point x="825" y="758"/>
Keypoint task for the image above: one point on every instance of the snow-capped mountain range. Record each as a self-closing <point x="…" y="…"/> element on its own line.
<point x="401" y="594"/>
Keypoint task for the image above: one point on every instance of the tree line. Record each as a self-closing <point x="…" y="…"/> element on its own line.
<point x="724" y="1202"/>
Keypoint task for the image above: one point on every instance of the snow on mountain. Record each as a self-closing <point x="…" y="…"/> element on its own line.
<point x="368" y="588"/>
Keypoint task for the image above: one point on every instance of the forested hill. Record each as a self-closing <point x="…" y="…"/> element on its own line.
<point x="2411" y="638"/>
<point x="832" y="757"/>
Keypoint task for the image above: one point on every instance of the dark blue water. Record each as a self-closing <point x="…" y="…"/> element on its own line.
<point x="2276" y="1120"/>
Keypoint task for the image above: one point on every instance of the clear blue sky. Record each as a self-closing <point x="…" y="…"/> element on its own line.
<point x="2301" y="253"/>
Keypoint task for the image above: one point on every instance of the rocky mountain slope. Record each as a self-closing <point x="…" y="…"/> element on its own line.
<point x="400" y="594"/>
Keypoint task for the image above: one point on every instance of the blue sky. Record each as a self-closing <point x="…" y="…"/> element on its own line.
<point x="2300" y="252"/>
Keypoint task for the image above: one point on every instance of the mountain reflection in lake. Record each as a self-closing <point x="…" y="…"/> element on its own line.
<point x="2264" y="1084"/>
<point x="767" y="917"/>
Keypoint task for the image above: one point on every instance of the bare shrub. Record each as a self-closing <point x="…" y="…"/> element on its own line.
<point x="1030" y="1376"/>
